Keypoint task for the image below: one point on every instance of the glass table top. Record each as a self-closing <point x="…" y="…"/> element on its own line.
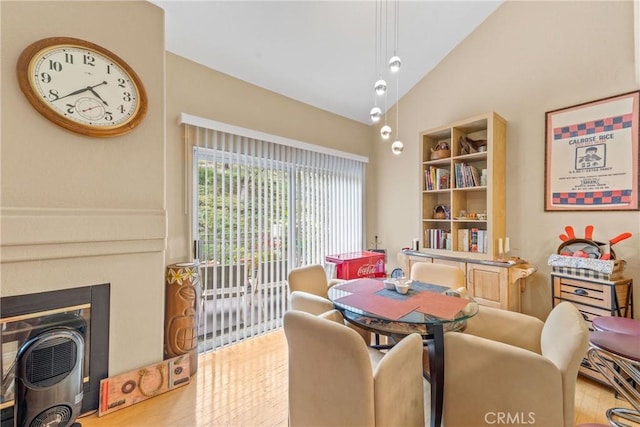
<point x="418" y="320"/>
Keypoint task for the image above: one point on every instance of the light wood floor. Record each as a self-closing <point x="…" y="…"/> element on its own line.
<point x="246" y="385"/>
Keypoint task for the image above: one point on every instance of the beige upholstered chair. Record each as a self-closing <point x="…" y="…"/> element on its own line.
<point x="313" y="304"/>
<point x="308" y="288"/>
<point x="514" y="366"/>
<point x="437" y="274"/>
<point x="311" y="279"/>
<point x="336" y="380"/>
<point x="309" y="303"/>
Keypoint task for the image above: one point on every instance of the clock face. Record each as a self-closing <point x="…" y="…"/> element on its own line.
<point x="81" y="86"/>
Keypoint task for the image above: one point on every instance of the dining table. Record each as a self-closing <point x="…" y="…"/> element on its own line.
<point x="427" y="309"/>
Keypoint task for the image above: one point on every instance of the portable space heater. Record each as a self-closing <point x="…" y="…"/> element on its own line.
<point x="48" y="384"/>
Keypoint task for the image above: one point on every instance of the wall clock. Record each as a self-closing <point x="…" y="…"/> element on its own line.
<point x="81" y="86"/>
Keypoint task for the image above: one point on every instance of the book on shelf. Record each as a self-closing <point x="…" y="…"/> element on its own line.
<point x="437" y="238"/>
<point x="463" y="239"/>
<point x="473" y="245"/>
<point x="467" y="175"/>
<point x="458" y="174"/>
<point x="481" y="240"/>
<point x="475" y="174"/>
<point x="472" y="240"/>
<point x="428" y="179"/>
<point x="442" y="179"/>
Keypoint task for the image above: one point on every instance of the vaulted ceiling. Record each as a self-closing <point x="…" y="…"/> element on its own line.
<point x="322" y="53"/>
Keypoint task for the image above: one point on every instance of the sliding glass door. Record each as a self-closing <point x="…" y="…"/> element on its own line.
<point x="261" y="208"/>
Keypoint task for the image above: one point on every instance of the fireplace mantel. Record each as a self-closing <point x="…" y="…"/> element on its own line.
<point x="30" y="234"/>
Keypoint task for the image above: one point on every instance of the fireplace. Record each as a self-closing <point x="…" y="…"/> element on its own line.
<point x="85" y="309"/>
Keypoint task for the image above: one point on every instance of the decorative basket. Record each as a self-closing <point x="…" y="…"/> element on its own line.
<point x="441" y="212"/>
<point x="440" y="151"/>
<point x="440" y="154"/>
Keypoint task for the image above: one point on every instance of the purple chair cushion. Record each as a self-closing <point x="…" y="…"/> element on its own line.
<point x="624" y="345"/>
<point x="617" y="324"/>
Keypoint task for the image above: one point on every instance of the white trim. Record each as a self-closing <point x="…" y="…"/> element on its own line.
<point x="249" y="133"/>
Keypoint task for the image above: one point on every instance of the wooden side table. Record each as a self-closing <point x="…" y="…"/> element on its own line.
<point x="594" y="298"/>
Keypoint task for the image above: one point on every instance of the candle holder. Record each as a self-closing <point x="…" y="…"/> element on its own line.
<point x="503" y="249"/>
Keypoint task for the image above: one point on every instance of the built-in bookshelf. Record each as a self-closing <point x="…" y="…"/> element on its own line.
<point x="470" y="184"/>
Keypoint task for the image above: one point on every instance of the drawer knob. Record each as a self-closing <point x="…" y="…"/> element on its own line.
<point x="581" y="292"/>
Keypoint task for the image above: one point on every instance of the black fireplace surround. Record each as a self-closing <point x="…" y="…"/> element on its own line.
<point x="98" y="297"/>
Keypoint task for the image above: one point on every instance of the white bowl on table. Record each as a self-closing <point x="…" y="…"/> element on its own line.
<point x="389" y="284"/>
<point x="403" y="285"/>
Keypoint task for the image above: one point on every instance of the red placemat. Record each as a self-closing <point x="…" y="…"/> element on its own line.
<point x="361" y="286"/>
<point x="381" y="306"/>
<point x="438" y="305"/>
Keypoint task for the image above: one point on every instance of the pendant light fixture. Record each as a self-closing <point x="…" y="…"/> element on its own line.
<point x="394" y="64"/>
<point x="380" y="87"/>
<point x="394" y="67"/>
<point x="375" y="114"/>
<point x="397" y="147"/>
<point x="385" y="131"/>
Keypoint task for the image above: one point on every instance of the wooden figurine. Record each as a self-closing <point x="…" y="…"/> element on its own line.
<point x="469" y="146"/>
<point x="182" y="299"/>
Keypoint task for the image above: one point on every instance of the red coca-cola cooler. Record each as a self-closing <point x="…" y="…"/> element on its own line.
<point x="355" y="265"/>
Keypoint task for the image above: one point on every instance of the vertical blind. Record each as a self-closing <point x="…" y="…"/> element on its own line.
<point x="261" y="208"/>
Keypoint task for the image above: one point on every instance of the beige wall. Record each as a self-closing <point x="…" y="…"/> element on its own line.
<point x="525" y="59"/>
<point x="80" y="211"/>
<point x="200" y="91"/>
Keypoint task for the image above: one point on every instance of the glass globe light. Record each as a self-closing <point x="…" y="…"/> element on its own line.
<point x="385" y="131"/>
<point x="375" y="114"/>
<point x="380" y="87"/>
<point x="394" y="64"/>
<point x="397" y="147"/>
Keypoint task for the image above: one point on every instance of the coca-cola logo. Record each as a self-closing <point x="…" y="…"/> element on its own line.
<point x="366" y="269"/>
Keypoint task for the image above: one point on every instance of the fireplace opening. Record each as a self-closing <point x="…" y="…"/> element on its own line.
<point x="23" y="317"/>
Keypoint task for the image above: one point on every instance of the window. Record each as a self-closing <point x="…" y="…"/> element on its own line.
<point x="263" y="205"/>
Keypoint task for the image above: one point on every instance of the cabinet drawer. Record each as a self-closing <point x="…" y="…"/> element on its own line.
<point x="577" y="291"/>
<point x="588" y="312"/>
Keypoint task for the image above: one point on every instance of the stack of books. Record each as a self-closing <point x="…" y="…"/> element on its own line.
<point x="472" y="240"/>
<point x="437" y="238"/>
<point x="467" y="176"/>
<point x="437" y="179"/>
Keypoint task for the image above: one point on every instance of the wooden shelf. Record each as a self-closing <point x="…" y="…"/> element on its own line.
<point x="449" y="235"/>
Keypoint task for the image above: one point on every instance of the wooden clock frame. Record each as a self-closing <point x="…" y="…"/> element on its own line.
<point x="25" y="81"/>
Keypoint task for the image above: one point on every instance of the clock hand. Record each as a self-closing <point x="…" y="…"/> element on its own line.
<point x="73" y="93"/>
<point x="98" y="96"/>
<point x="82" y="90"/>
<point x="89" y="109"/>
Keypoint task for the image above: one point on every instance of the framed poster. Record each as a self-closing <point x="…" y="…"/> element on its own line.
<point x="591" y="160"/>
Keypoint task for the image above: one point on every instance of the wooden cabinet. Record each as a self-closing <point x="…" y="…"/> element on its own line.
<point x="492" y="283"/>
<point x="463" y="195"/>
<point x="489" y="285"/>
<point x="594" y="298"/>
